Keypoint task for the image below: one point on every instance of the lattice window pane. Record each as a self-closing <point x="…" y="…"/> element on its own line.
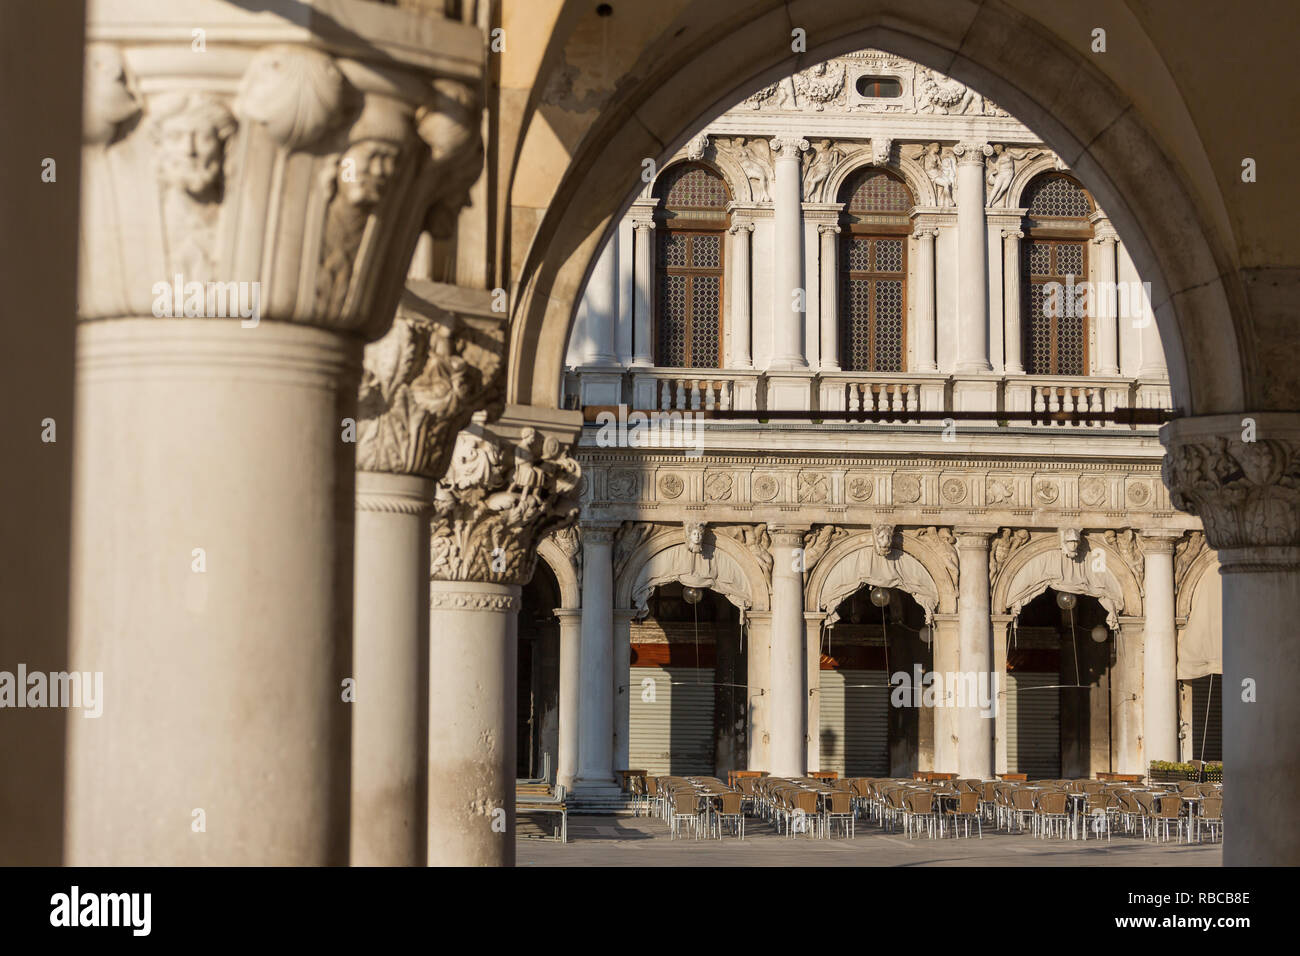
<point x="1040" y="258"/>
<point x="1069" y="259"/>
<point x="673" y="249"/>
<point x="1057" y="196"/>
<point x="1038" y="334"/>
<point x="1069" y="345"/>
<point x="693" y="187"/>
<point x="859" y="255"/>
<point x="707" y="252"/>
<point x="889" y="325"/>
<point x="672" y="320"/>
<point x="877" y="191"/>
<point x="705" y="309"/>
<point x="889" y="255"/>
<point x="855" y="324"/>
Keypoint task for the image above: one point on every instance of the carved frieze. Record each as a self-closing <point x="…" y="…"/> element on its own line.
<point x="766" y="487"/>
<point x="1004" y="544"/>
<point x="907" y="489"/>
<point x="813" y="487"/>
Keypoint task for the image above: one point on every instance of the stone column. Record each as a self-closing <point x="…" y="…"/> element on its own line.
<point x="741" y="292"/>
<point x="947" y="637"/>
<point x="787" y="710"/>
<point x="972" y="262"/>
<point x="602" y="305"/>
<point x="566" y="761"/>
<point x="1103" y="304"/>
<point x="1126" y="749"/>
<point x="1001" y="622"/>
<point x="830" y="309"/>
<point x="510" y="485"/>
<point x="622" y="672"/>
<point x="643" y="352"/>
<point x="1160" y="657"/>
<point x="1238" y="474"/>
<point x="788" y="294"/>
<point x="1013" y="335"/>
<point x="925" y="298"/>
<point x="758" y="632"/>
<point x="813" y="715"/>
<point x="225" y="295"/>
<point x="410" y="407"/>
<point x="596" y="708"/>
<point x="975" y="755"/>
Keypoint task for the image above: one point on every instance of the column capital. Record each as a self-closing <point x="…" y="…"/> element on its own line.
<point x="509" y="485"/>
<point x="1160" y="540"/>
<point x="788" y="536"/>
<point x="283" y="174"/>
<point x="1240" y="474"/>
<point x="643" y="222"/>
<point x="972" y="153"/>
<point x="424" y="380"/>
<point x="789" y="147"/>
<point x="1013" y="234"/>
<point x="742" y="225"/>
<point x="973" y="539"/>
<point x="828" y="228"/>
<point x="474" y="596"/>
<point x="599" y="532"/>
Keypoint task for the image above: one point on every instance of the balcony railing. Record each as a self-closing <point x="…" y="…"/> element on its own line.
<point x="880" y="397"/>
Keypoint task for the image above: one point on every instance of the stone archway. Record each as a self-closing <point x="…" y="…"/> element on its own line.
<point x="1012" y="58"/>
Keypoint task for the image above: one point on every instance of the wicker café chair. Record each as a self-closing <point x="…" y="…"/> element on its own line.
<point x="686" y="813"/>
<point x="838" y="806"/>
<point x="1051" y="814"/>
<point x="1212" y="816"/>
<point x="1022" y="808"/>
<point x="919" y="810"/>
<point x="731" y="813"/>
<point x="1169" y="809"/>
<point x="966" y="808"/>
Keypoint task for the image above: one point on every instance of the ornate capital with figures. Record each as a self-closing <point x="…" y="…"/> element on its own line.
<point x="509" y="485"/>
<point x="283" y="174"/>
<point x="1240" y="474"/>
<point x="424" y="380"/>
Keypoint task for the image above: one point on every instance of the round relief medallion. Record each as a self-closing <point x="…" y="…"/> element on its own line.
<point x="622" y="484"/>
<point x="1046" y="492"/>
<point x="718" y="486"/>
<point x="907" y="488"/>
<point x="765" y="488"/>
<point x="671" y="485"/>
<point x="860" y="488"/>
<point x="954" y="491"/>
<point x="1139" y="494"/>
<point x="1092" y="492"/>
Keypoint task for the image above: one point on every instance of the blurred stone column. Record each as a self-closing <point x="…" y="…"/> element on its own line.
<point x="247" y="219"/>
<point x="509" y="485"/>
<point x="1241" y="475"/>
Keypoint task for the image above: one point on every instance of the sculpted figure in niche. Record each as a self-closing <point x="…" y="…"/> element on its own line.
<point x="364" y="173"/>
<point x="190" y="132"/>
<point x="942" y="169"/>
<point x="753" y="161"/>
<point x="696" y="569"/>
<point x="828" y="157"/>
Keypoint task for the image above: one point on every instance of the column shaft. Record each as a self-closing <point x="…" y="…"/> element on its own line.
<point x="566" y="762"/>
<point x="759" y="685"/>
<point x="947" y="658"/>
<point x="972" y="263"/>
<point x="741" y="292"/>
<point x="214" y="594"/>
<point x="975" y="754"/>
<point x="830" y="317"/>
<point x="596" y="704"/>
<point x="1126" y="701"/>
<point x="390" y="624"/>
<point x="787" y="710"/>
<point x="1160" y="653"/>
<point x="1104" y="308"/>
<point x="643" y="302"/>
<point x="473" y="654"/>
<point x="1013" y="336"/>
<point x="925" y="300"/>
<point x="602" y="306"/>
<point x="788" y="294"/>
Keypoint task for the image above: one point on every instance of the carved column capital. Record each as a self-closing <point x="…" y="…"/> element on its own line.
<point x="743" y="225"/>
<point x="972" y="154"/>
<point x="643" y="223"/>
<point x="600" y="532"/>
<point x="424" y="380"/>
<point x="788" y="537"/>
<point x="828" y="228"/>
<point x="789" y="147"/>
<point x="284" y="173"/>
<point x="1240" y="474"/>
<point x="509" y="485"/>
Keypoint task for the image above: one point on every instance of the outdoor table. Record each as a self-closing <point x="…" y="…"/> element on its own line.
<point x="824" y="774"/>
<point x="1076" y="802"/>
<point x="627" y="776"/>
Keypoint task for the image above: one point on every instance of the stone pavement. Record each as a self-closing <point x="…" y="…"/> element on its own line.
<point x="642" y="841"/>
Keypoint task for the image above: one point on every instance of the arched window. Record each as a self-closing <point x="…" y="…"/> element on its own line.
<point x="1056" y="251"/>
<point x="689" y="266"/>
<point x="873" y="272"/>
